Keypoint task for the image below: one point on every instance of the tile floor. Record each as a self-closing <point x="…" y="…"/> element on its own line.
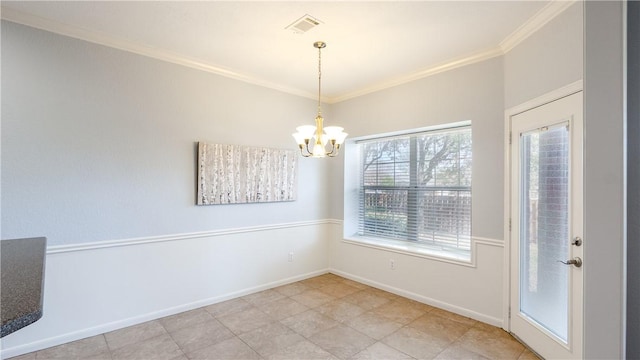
<point x="325" y="317"/>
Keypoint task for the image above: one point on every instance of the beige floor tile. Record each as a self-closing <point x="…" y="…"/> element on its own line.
<point x="416" y="343"/>
<point x="319" y="281"/>
<point x="80" y="349"/>
<point x="158" y="348"/>
<point x="490" y="329"/>
<point x="181" y="357"/>
<point x="283" y="308"/>
<point x="339" y="310"/>
<point x="380" y="351"/>
<point x="28" y="356"/>
<point x="451" y="316"/>
<point x="102" y="356"/>
<point x="330" y="276"/>
<point x="494" y="345"/>
<point x="383" y="293"/>
<point x="399" y="311"/>
<point x="201" y="335"/>
<point x="437" y="326"/>
<point x="245" y="321"/>
<point x="292" y="289"/>
<point x="366" y="299"/>
<point x="457" y="352"/>
<point x="415" y="304"/>
<point x="355" y="284"/>
<point x="185" y="319"/>
<point x="309" y="323"/>
<point x="271" y="339"/>
<point x="228" y="307"/>
<point x="263" y="297"/>
<point x="133" y="334"/>
<point x="325" y="317"/>
<point x="342" y="341"/>
<point x="338" y="289"/>
<point x="302" y="350"/>
<point x="230" y="349"/>
<point x="313" y="298"/>
<point x="373" y="325"/>
<point x="528" y="355"/>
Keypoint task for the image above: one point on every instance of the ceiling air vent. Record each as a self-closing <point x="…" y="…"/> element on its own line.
<point x="303" y="24"/>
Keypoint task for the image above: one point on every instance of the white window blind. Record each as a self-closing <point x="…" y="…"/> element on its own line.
<point x="417" y="188"/>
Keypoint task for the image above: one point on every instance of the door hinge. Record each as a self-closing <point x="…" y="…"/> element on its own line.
<point x="509" y="224"/>
<point x="509" y="312"/>
<point x="510" y="137"/>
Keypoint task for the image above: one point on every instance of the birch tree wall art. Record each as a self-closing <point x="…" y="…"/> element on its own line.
<point x="232" y="174"/>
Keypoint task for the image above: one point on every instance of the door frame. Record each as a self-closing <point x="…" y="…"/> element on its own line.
<point x="528" y="105"/>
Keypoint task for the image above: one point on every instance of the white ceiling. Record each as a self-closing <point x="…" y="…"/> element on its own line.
<point x="370" y="45"/>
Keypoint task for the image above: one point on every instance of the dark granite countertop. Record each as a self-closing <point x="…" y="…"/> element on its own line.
<point x="22" y="269"/>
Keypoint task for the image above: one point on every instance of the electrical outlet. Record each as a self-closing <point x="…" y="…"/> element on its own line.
<point x="392" y="264"/>
<point x="291" y="256"/>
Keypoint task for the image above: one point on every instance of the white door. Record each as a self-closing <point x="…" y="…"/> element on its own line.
<point x="546" y="249"/>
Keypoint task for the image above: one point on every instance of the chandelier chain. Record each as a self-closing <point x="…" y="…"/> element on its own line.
<point x="319" y="76"/>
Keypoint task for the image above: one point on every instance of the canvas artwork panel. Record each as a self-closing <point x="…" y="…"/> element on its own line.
<point x="232" y="174"/>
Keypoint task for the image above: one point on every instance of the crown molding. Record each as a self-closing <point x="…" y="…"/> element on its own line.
<point x="542" y="17"/>
<point x="445" y="66"/>
<point x="535" y="23"/>
<point x="156" y="53"/>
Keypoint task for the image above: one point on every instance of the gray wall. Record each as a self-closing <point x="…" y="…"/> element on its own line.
<point x="547" y="60"/>
<point x="99" y="144"/>
<point x="551" y="58"/>
<point x="603" y="180"/>
<point x="473" y="92"/>
<point x="633" y="180"/>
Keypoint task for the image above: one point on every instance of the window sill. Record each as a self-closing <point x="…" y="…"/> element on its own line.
<point x="419" y="250"/>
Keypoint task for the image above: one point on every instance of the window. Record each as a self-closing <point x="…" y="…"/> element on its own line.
<point x="416" y="188"/>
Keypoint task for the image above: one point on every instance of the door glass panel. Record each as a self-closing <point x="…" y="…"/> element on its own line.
<point x="544" y="228"/>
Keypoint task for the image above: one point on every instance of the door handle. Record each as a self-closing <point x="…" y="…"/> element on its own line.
<point x="576" y="261"/>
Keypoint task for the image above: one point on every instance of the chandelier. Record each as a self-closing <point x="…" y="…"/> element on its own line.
<point x="321" y="136"/>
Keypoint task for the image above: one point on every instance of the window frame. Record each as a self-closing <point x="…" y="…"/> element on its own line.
<point x="353" y="202"/>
